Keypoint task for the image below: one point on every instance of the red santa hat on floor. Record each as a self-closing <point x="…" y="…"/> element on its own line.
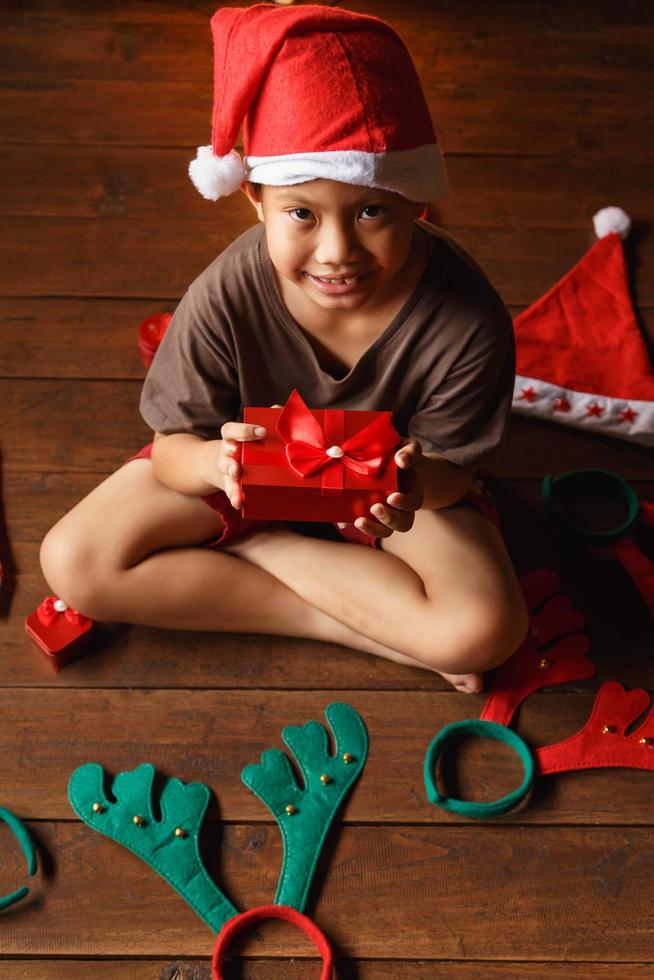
<point x="581" y="359"/>
<point x="321" y="93"/>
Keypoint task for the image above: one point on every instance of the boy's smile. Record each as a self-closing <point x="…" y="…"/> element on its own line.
<point x="337" y="247"/>
<point x="338" y="286"/>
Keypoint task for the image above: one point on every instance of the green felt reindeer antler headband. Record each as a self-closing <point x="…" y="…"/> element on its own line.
<point x="170" y="845"/>
<point x="304" y="815"/>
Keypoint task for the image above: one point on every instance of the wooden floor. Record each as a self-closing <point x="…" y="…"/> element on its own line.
<point x="545" y="113"/>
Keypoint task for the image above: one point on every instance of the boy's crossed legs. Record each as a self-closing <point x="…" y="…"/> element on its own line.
<point x="443" y="593"/>
<point x="441" y="596"/>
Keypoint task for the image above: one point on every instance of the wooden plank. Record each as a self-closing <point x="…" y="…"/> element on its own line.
<point x="496" y="893"/>
<point x="573" y="18"/>
<point x="140" y="182"/>
<point x="16" y="13"/>
<point x="75" y="338"/>
<point x="533" y="448"/>
<point x="99" y="182"/>
<point x="209" y="737"/>
<point x="467" y="115"/>
<point x="113" y="259"/>
<point x="90" y="48"/>
<point x="267" y="969"/>
<point x="96" y="47"/>
<point x="106" y="259"/>
<point x="62" y="969"/>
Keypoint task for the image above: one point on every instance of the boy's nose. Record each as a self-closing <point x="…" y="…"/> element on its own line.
<point x="336" y="248"/>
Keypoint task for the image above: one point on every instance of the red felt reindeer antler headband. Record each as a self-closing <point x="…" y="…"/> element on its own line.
<point x="601" y="742"/>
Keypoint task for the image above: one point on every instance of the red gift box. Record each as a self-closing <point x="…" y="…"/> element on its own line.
<point x="151" y="334"/>
<point x="58" y="630"/>
<point x="317" y="464"/>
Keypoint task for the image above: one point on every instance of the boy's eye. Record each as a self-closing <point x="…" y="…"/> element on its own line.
<point x="373" y="207"/>
<point x="300" y="214"/>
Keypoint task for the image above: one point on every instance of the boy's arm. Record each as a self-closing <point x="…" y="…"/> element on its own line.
<point x="198" y="467"/>
<point x="185" y="463"/>
<point x="427" y="481"/>
<point x="443" y="483"/>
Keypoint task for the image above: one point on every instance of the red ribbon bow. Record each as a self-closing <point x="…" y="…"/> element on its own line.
<point x="309" y="448"/>
<point x="48" y="613"/>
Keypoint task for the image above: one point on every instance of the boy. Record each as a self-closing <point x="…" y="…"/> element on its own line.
<point x="341" y="292"/>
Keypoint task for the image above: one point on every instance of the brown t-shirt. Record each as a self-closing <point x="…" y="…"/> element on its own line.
<point x="444" y="366"/>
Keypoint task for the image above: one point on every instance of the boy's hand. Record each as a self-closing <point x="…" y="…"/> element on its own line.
<point x="227" y="458"/>
<point x="398" y="513"/>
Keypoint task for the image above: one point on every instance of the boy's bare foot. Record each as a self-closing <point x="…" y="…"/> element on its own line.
<point x="255" y="548"/>
<point x="466" y="683"/>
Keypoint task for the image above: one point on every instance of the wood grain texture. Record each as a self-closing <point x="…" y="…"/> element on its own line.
<point x="544" y="112"/>
<point x="470" y="72"/>
<point x="305" y="969"/>
<point x="535" y="15"/>
<point x="105" y="46"/>
<point x="467" y="116"/>
<point x="492" y="892"/>
<point x="209" y="736"/>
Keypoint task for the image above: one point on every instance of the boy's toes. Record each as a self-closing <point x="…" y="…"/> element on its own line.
<point x="466" y="683"/>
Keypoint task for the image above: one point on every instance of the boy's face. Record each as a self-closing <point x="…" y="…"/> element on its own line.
<point x="326" y="229"/>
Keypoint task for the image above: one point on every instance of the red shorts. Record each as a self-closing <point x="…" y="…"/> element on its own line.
<point x="235" y="526"/>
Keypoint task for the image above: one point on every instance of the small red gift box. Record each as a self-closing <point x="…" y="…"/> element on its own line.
<point x="317" y="464"/>
<point x="151" y="334"/>
<point x="58" y="630"/>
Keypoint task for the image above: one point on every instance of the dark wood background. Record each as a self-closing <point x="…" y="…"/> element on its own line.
<point x="545" y="113"/>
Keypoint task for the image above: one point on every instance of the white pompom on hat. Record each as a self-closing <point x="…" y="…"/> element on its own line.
<point x="216" y="176"/>
<point x="581" y="359"/>
<point x="320" y="93"/>
<point x="611" y="219"/>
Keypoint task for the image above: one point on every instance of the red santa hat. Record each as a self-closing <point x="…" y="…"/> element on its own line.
<point x="321" y="93"/>
<point x="581" y="359"/>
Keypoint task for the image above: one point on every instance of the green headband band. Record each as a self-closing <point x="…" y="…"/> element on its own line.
<point x="20" y="833"/>
<point x="483" y="729"/>
<point x="590" y="480"/>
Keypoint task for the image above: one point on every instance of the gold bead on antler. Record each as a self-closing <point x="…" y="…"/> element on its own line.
<point x="180" y="832"/>
<point x="646" y="741"/>
<point x="544" y="664"/>
<point x="347" y="757"/>
<point x="609" y="730"/>
<point x="290" y="809"/>
<point x="98" y="808"/>
<point x="138" y="820"/>
<point x="324" y="779"/>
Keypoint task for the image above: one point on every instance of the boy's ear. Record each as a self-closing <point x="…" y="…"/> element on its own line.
<point x="254" y="196"/>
